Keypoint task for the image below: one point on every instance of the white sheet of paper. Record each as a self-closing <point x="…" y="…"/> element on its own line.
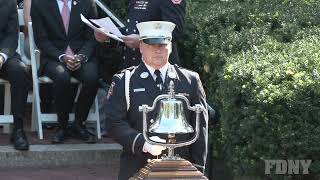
<point x="101" y="30"/>
<point x="107" y="24"/>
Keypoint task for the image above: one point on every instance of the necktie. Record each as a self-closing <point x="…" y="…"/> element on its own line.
<point x="65" y="13"/>
<point x="159" y="81"/>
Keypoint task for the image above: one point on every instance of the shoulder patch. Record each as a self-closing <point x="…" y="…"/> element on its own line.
<point x="176" y="1"/>
<point x="110" y="91"/>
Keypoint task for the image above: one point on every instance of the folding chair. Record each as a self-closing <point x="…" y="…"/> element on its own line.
<point x="38" y="116"/>
<point x="6" y="119"/>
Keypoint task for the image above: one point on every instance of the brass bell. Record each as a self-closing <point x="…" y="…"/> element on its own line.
<point x="171" y="119"/>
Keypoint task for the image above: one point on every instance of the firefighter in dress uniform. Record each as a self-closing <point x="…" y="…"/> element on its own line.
<point x="139" y="85"/>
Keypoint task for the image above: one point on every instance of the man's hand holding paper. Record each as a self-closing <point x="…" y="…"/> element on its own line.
<point x="131" y="40"/>
<point x="105" y="26"/>
<point x="101" y="37"/>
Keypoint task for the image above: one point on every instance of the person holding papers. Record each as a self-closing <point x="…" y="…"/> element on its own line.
<point x="148" y="10"/>
<point x="67" y="48"/>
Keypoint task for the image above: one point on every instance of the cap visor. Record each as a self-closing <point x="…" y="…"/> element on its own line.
<point x="153" y="41"/>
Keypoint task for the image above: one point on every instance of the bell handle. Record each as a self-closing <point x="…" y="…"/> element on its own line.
<point x="166" y="96"/>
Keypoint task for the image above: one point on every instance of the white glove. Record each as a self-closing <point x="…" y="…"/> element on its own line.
<point x="157" y="139"/>
<point x="155" y="150"/>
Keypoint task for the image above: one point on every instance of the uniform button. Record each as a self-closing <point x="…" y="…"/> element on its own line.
<point x="133" y="49"/>
<point x="128" y="20"/>
<point x="133" y="58"/>
<point x="151" y="120"/>
<point x="134" y="30"/>
<point x="124" y="57"/>
<point x="137" y="22"/>
<point x="127" y="30"/>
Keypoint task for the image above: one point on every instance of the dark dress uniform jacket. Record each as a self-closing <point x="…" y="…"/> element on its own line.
<point x="125" y="127"/>
<point x="153" y="10"/>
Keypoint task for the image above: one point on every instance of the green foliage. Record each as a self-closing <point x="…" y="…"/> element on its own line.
<point x="260" y="61"/>
<point x="118" y="7"/>
<point x="275" y="106"/>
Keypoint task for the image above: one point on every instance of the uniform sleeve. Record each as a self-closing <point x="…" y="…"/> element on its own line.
<point x="174" y="11"/>
<point x="117" y="121"/>
<point x="200" y="147"/>
<point x="9" y="43"/>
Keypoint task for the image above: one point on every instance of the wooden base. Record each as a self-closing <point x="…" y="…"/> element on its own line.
<point x="158" y="169"/>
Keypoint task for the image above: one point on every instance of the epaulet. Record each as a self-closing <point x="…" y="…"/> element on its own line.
<point x="183" y="68"/>
<point x="176" y="65"/>
<point x="121" y="72"/>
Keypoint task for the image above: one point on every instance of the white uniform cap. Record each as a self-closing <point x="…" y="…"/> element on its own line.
<point x="156" y="32"/>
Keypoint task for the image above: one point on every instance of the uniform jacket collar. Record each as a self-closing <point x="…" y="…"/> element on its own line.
<point x="148" y="82"/>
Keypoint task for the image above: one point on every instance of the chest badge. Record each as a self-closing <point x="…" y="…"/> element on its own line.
<point x="144" y="75"/>
<point x="172" y="75"/>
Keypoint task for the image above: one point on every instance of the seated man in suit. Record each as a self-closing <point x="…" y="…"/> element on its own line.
<point x="67" y="50"/>
<point x="14" y="70"/>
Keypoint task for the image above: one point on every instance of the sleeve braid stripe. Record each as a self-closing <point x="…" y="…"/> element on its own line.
<point x="134" y="142"/>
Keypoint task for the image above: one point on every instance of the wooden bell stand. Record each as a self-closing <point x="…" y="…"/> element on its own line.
<point x="159" y="169"/>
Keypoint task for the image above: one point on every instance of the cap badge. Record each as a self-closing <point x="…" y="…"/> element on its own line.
<point x="157" y="26"/>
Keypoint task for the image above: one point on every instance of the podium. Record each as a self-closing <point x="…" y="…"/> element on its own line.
<point x="159" y="169"/>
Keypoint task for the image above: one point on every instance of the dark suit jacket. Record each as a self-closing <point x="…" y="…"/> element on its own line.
<point x="9" y="27"/>
<point x="125" y="126"/>
<point x="49" y="32"/>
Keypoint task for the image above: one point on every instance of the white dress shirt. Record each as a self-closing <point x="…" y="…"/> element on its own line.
<point x="163" y="71"/>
